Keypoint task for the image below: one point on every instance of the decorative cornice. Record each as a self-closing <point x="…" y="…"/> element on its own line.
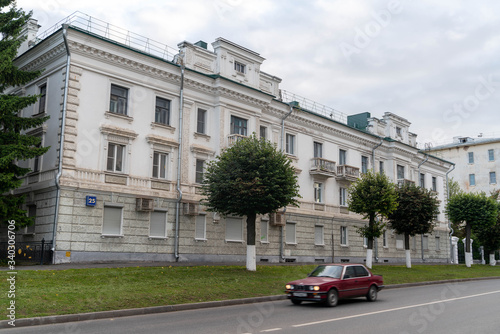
<point x="202" y="149"/>
<point x="46" y="57"/>
<point x="117" y="131"/>
<point x="161" y="140"/>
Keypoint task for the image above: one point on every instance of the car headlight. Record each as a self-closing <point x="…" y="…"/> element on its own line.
<point x="316" y="288"/>
<point x="289" y="287"/>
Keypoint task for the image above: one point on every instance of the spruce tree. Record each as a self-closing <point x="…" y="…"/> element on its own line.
<point x="14" y="144"/>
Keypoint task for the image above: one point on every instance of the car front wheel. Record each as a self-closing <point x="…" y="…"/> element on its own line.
<point x="332" y="298"/>
<point x="371" y="296"/>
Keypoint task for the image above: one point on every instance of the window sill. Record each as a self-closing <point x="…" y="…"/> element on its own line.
<point x="234" y="241"/>
<point x="264" y="242"/>
<point x="109" y="114"/>
<point x="291" y="243"/>
<point x="157" y="238"/>
<point x="202" y="135"/>
<point x="200" y="240"/>
<point x="344" y="246"/>
<point x="111" y="236"/>
<point x="320" y="245"/>
<point x="39" y="115"/>
<point x="163" y="126"/>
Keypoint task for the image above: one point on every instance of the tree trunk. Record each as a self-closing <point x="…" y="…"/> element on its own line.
<point x="407" y="250"/>
<point x="468" y="252"/>
<point x="251" y="253"/>
<point x="369" y="248"/>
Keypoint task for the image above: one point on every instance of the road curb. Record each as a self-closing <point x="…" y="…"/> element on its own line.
<point x="58" y="319"/>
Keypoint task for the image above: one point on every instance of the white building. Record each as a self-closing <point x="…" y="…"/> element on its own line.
<point x="477" y="162"/>
<point x="136" y="131"/>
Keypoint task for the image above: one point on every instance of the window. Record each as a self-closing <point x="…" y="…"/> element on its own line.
<point x="318" y="192"/>
<point x="438" y="243"/>
<point x="319" y="235"/>
<point x="493" y="178"/>
<point x="422" y="180"/>
<point x="401" y="172"/>
<point x="118" y="100"/>
<point x="364" y="164"/>
<point x="115" y="157"/>
<point x="398" y="131"/>
<point x="318" y="150"/>
<point x="160" y="161"/>
<point x="400" y="241"/>
<point x="162" y="111"/>
<point x="42" y="101"/>
<point x="381" y="167"/>
<point x="290" y="233"/>
<point x="200" y="228"/>
<point x="434" y="183"/>
<point x="472" y="179"/>
<point x="343" y="235"/>
<point x="158" y="224"/>
<point x="32" y="214"/>
<point x="342" y="196"/>
<point x="290" y="144"/>
<point x="471" y="157"/>
<point x="239" y="67"/>
<point x="112" y="221"/>
<point x="361" y="271"/>
<point x="491" y="155"/>
<point x="264" y="230"/>
<point x="384" y="239"/>
<point x="342" y="157"/>
<point x="234" y="229"/>
<point x="238" y="126"/>
<point x="263" y="132"/>
<point x="365" y="242"/>
<point x="38" y="159"/>
<point x="201" y="121"/>
<point x="425" y="242"/>
<point x="200" y="166"/>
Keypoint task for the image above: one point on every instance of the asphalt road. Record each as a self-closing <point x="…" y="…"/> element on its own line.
<point x="460" y="308"/>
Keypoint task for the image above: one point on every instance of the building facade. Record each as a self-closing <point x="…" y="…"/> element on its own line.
<point x="477" y="162"/>
<point x="132" y="129"/>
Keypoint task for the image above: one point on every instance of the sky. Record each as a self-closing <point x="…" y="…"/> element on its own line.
<point x="434" y="63"/>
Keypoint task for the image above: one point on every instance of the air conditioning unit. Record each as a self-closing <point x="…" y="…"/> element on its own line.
<point x="277" y="219"/>
<point x="191" y="209"/>
<point x="144" y="204"/>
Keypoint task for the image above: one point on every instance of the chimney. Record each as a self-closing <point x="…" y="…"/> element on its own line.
<point x="29" y="31"/>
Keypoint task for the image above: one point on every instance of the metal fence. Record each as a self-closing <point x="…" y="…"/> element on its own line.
<point x="34" y="252"/>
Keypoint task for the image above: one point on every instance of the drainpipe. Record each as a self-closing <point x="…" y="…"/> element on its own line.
<point x="282" y="256"/>
<point x="422" y="236"/>
<point x="179" y="155"/>
<point x="373" y="168"/>
<point x="61" y="142"/>
<point x="449" y="223"/>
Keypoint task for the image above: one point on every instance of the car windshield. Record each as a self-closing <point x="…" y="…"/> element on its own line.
<point x="327" y="271"/>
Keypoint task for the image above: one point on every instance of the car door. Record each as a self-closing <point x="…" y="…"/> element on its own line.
<point x="348" y="283"/>
<point x="363" y="281"/>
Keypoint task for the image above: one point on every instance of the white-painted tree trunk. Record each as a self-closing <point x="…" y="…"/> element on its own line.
<point x="408" y="258"/>
<point x="369" y="256"/>
<point x="468" y="259"/>
<point x="493" y="262"/>
<point x="251" y="258"/>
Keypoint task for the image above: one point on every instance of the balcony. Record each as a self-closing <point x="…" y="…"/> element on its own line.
<point x="234" y="138"/>
<point x="323" y="167"/>
<point x="347" y="173"/>
<point x="404" y="182"/>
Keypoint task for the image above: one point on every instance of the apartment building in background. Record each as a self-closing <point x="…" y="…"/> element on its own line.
<point x="134" y="122"/>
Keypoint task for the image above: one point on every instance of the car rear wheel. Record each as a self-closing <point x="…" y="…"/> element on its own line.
<point x="371" y="296"/>
<point x="332" y="298"/>
<point x="296" y="302"/>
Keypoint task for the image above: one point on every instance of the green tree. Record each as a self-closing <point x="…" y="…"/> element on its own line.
<point x="372" y="195"/>
<point x="490" y="237"/>
<point x="472" y="212"/>
<point x="14" y="145"/>
<point x="417" y="207"/>
<point x="251" y="177"/>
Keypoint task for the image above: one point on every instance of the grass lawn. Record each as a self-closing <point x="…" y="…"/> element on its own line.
<point x="52" y="292"/>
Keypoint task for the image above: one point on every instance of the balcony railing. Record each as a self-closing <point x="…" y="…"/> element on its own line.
<point x="234" y="138"/>
<point x="346" y="172"/>
<point x="320" y="166"/>
<point x="403" y="182"/>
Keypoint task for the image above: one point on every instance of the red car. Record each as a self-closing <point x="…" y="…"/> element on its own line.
<point x="330" y="282"/>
